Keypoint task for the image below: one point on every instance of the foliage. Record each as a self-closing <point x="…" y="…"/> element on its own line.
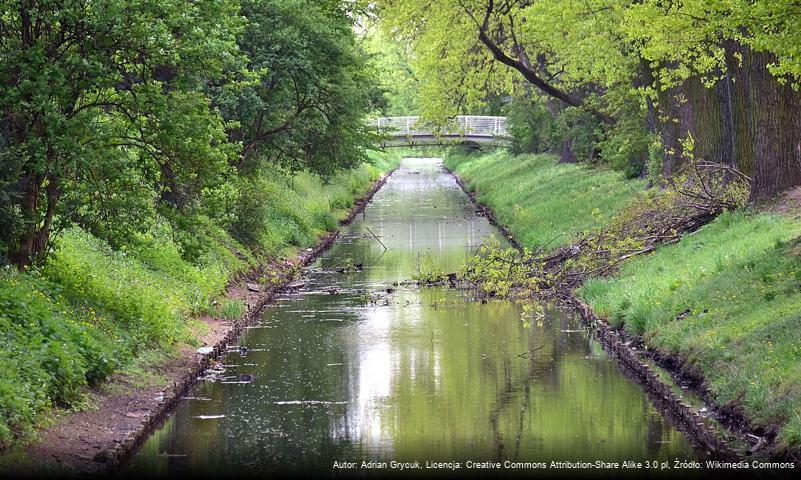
<point x="50" y="350"/>
<point x="148" y="149"/>
<point x="396" y="77"/>
<point x="582" y="131"/>
<point x="688" y="38"/>
<point x="117" y="111"/>
<point x="93" y="310"/>
<point x="274" y="210"/>
<point x="571" y="53"/>
<point x="94" y="90"/>
<point x="302" y="98"/>
<point x="531" y="126"/>
<point x="617" y="74"/>
<point x="498" y="272"/>
<point x="427" y="271"/>
<point x="657" y="218"/>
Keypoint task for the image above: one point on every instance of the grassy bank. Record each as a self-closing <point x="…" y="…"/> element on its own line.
<point x="93" y="310"/>
<point x="724" y="301"/>
<point x="540" y="199"/>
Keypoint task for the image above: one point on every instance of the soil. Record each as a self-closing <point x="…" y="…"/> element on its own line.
<point x="789" y="203"/>
<point x="94" y="441"/>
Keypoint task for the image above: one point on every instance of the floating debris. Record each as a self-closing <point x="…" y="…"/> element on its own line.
<point x="205" y="350"/>
<point x="214" y="372"/>
<point x="243" y="350"/>
<point x="208" y="417"/>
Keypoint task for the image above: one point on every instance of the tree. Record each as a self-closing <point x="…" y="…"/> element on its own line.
<point x="724" y="75"/>
<point x="719" y="75"/>
<point x="303" y="97"/>
<point x="396" y="76"/>
<point x="91" y="91"/>
<point x="569" y="51"/>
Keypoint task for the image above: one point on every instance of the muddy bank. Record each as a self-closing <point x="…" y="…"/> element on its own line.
<point x="96" y="440"/>
<point x="662" y="393"/>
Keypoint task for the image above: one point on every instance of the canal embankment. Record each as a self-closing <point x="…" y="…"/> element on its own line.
<point x="109" y="418"/>
<point x="361" y="365"/>
<point x="717" y="307"/>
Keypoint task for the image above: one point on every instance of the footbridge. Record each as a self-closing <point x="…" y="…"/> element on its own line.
<point x="462" y="129"/>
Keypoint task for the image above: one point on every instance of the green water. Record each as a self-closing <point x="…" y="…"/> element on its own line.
<point x="343" y="370"/>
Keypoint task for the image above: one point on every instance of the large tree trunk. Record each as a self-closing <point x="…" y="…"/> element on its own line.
<point x="565" y="150"/>
<point x="705" y="113"/>
<point x="566" y="154"/>
<point x="29" y="244"/>
<point x="738" y="96"/>
<point x="748" y="120"/>
<point x="774" y="124"/>
<point x="21" y="242"/>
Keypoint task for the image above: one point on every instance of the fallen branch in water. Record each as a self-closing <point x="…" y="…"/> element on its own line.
<point x="686" y="204"/>
<point x="376" y="237"/>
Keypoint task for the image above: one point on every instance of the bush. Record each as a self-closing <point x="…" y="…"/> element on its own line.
<point x="50" y="351"/>
<point x="531" y="126"/>
<point x="582" y="130"/>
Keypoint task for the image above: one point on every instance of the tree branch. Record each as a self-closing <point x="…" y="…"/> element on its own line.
<point x="523" y="65"/>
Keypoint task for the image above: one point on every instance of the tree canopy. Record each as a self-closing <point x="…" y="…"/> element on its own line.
<point x="641" y="80"/>
<point x="115" y="110"/>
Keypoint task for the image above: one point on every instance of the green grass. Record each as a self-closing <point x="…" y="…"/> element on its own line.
<point x="539" y="199"/>
<point x="231" y="309"/>
<point x="740" y="279"/>
<point x="93" y="310"/>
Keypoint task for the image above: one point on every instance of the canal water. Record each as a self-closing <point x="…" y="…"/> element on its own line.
<point x="356" y="366"/>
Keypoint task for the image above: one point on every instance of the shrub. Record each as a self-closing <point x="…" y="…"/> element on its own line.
<point x="50" y="351"/>
<point x="531" y="126"/>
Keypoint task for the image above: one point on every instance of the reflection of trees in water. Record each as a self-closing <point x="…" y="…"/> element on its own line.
<point x="430" y="392"/>
<point x="656" y="430"/>
<point x="542" y="365"/>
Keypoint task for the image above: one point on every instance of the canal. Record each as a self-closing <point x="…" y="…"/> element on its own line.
<point x="356" y="366"/>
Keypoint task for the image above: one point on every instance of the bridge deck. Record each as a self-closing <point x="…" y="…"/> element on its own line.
<point x="461" y="129"/>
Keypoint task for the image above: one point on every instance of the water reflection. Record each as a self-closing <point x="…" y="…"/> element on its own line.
<point x="355" y="367"/>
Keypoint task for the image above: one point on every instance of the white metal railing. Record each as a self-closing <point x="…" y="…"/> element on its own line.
<point x="459" y="126"/>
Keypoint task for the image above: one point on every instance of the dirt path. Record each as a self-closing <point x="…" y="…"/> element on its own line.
<point x="95" y="440"/>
